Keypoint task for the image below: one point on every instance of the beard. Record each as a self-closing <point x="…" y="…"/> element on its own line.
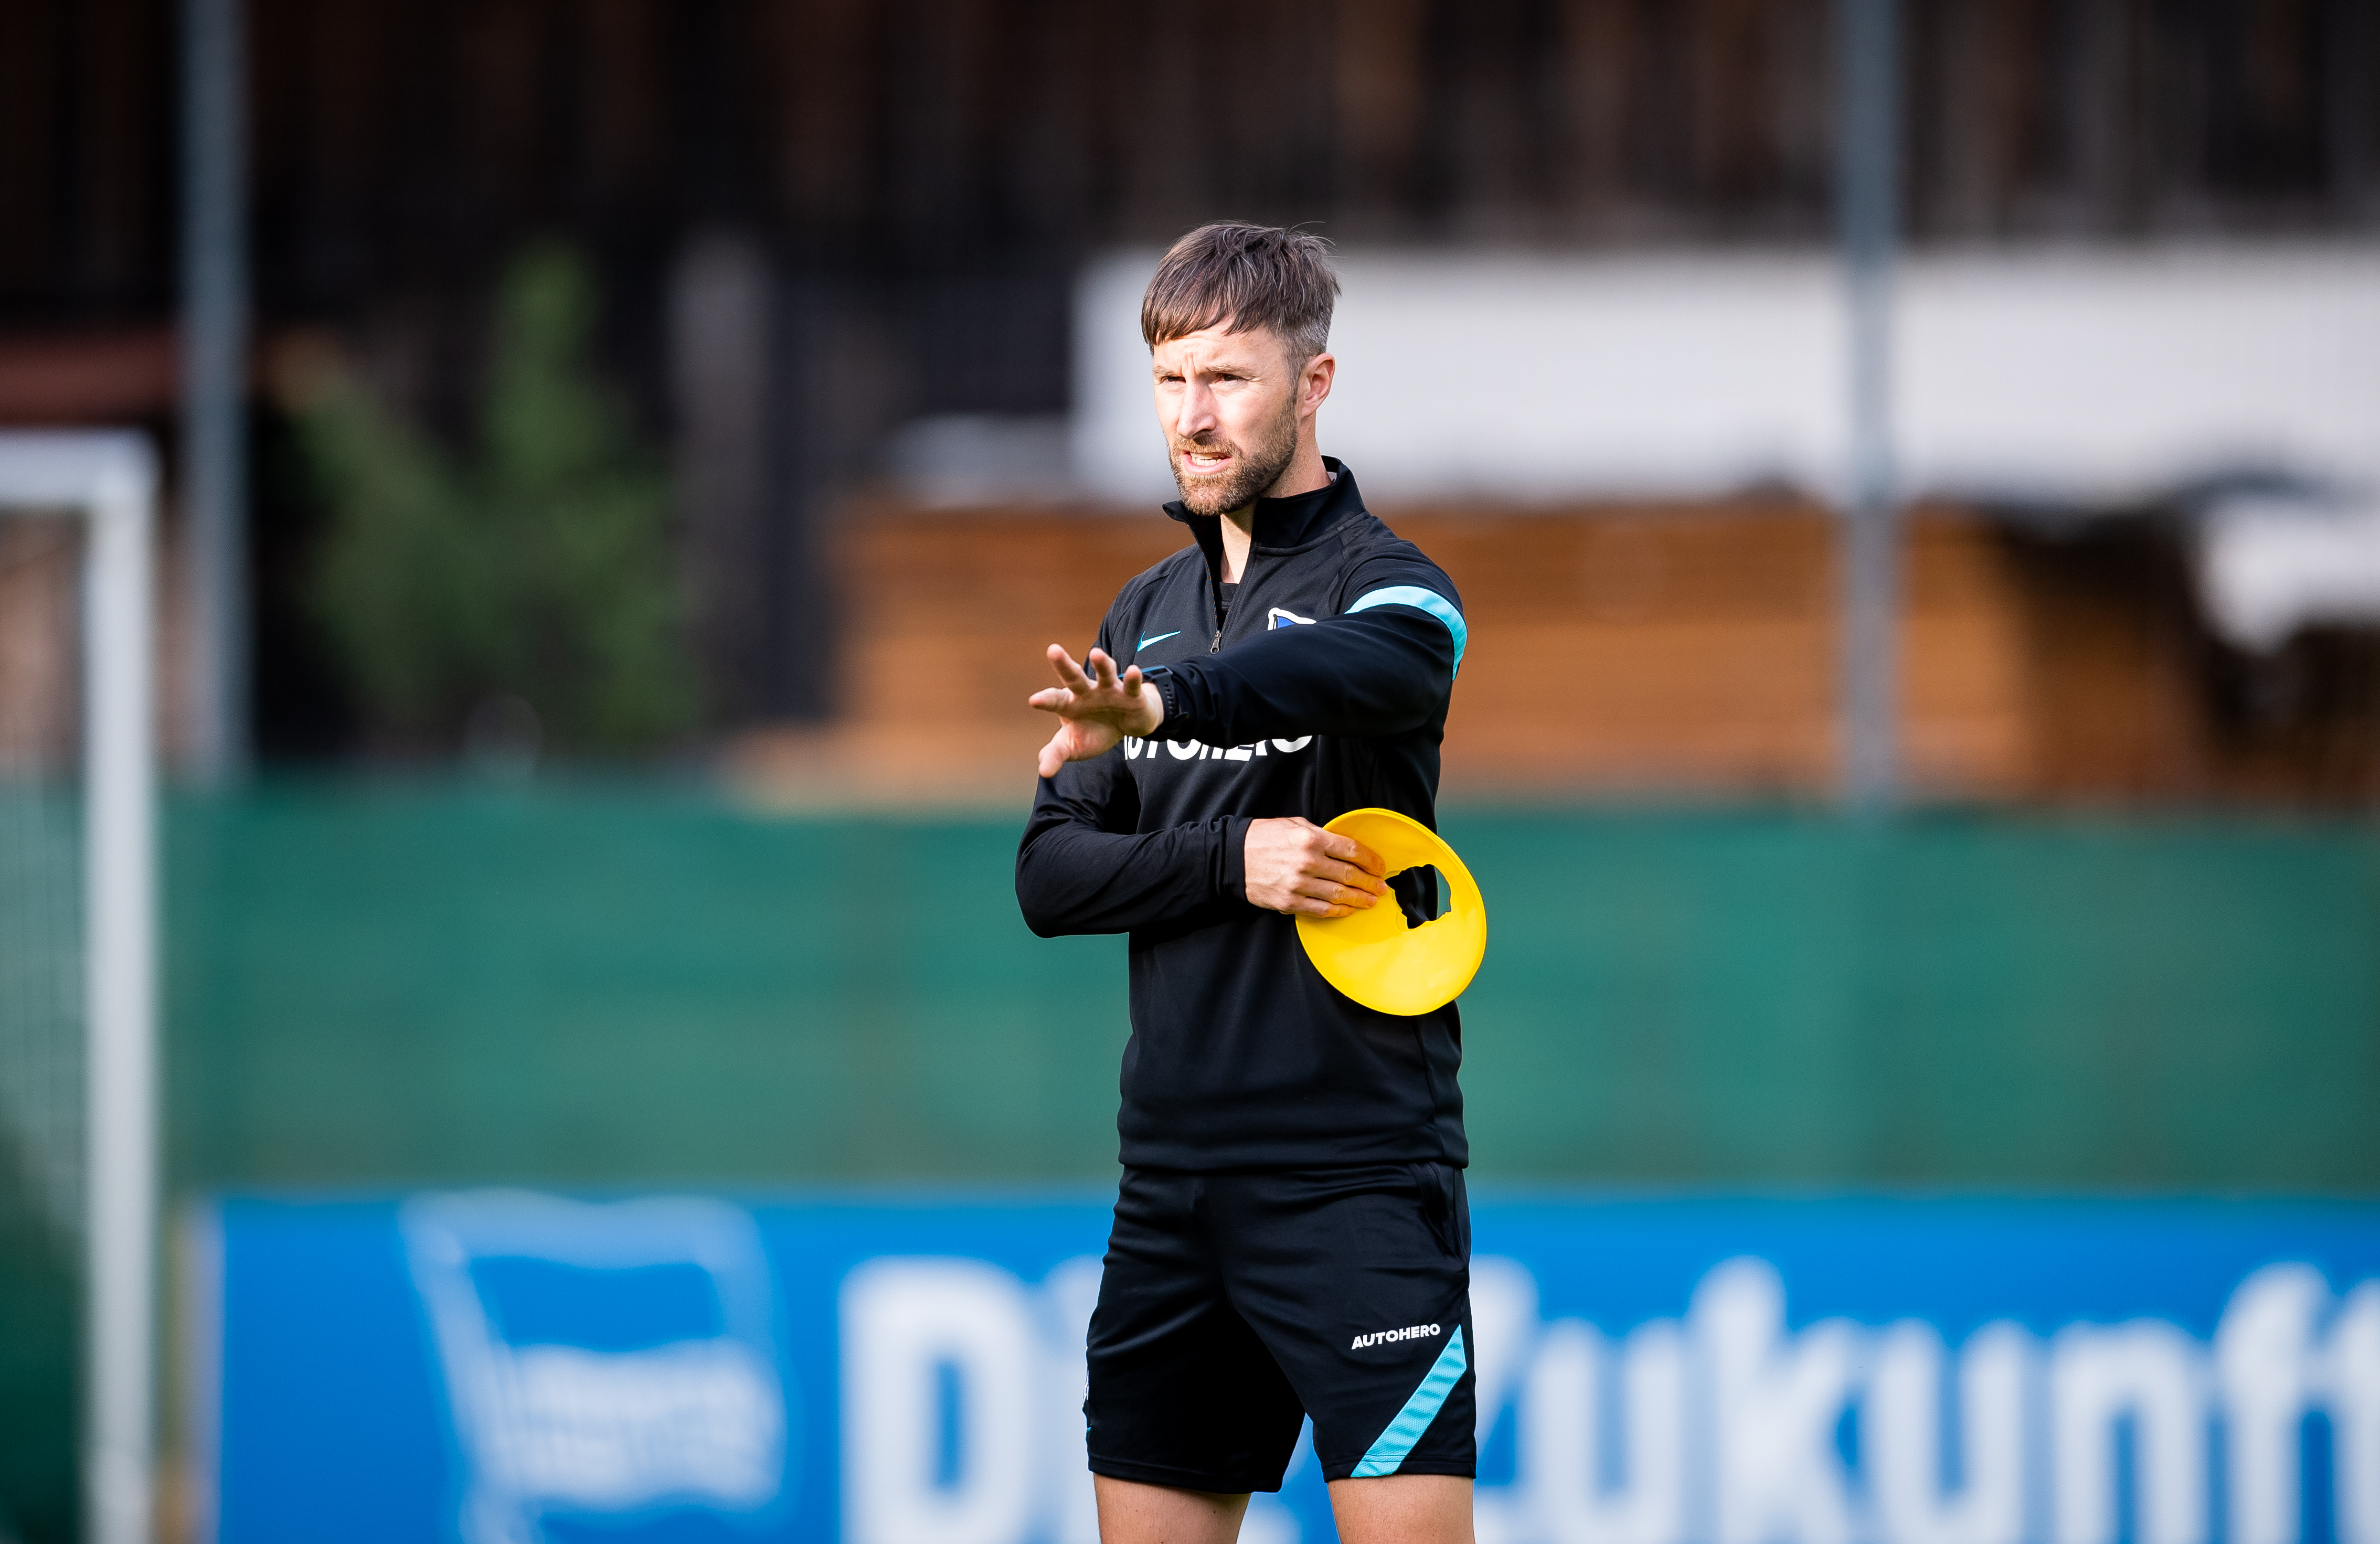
<point x="1241" y="481"/>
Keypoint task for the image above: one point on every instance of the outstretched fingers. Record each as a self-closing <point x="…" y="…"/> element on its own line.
<point x="1068" y="671"/>
<point x="1097" y="703"/>
<point x="1057" y="700"/>
<point x="1097" y="674"/>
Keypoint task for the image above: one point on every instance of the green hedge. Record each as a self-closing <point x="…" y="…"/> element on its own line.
<point x="579" y="985"/>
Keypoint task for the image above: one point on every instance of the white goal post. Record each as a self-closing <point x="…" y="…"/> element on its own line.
<point x="110" y="480"/>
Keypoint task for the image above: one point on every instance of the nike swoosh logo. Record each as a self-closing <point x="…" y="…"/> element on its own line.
<point x="1159" y="639"/>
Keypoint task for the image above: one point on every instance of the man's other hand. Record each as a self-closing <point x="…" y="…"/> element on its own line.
<point x="1296" y="866"/>
<point x="1098" y="708"/>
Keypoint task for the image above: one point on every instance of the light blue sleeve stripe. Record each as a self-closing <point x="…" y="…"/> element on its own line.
<point x="1420" y="600"/>
<point x="1412" y="1420"/>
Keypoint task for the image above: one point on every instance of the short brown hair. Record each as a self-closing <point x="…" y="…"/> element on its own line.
<point x="1244" y="276"/>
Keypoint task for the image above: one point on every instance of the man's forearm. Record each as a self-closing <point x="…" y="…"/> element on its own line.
<point x="1073" y="878"/>
<point x="1374" y="672"/>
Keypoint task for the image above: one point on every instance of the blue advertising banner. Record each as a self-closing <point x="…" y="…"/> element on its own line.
<point x="502" y="1368"/>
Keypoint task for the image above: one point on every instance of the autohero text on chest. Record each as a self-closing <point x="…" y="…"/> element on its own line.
<point x="1197" y="750"/>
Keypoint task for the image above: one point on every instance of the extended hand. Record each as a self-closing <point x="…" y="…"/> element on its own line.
<point x="1296" y="866"/>
<point x="1098" y="708"/>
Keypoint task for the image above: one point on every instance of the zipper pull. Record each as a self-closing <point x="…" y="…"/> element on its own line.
<point x="1216" y="646"/>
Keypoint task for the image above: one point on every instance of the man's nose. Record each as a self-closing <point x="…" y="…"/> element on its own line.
<point x="1194" y="413"/>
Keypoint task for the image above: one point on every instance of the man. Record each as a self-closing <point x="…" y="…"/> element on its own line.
<point x="1292" y="1236"/>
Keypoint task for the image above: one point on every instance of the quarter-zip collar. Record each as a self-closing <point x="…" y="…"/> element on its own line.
<point x="1281" y="524"/>
<point x="1279" y="527"/>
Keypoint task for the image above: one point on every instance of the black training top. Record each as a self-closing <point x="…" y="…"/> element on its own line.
<point x="1323" y="690"/>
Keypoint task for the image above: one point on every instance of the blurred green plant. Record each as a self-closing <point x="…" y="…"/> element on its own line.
<point x="536" y="569"/>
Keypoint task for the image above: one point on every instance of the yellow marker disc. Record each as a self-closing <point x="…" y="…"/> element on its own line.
<point x="1372" y="955"/>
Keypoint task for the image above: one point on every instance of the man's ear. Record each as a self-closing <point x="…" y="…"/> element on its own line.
<point x="1314" y="381"/>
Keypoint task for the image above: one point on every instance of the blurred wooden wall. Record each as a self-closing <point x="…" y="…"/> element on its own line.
<point x="1662" y="652"/>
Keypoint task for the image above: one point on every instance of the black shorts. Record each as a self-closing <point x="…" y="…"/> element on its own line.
<point x="1234" y="1304"/>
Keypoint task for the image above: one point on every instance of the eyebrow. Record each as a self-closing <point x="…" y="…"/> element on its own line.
<point x="1236" y="368"/>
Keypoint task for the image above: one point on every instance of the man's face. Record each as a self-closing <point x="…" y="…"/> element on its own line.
<point x="1229" y="405"/>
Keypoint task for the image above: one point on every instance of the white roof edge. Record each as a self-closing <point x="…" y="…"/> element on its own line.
<point x="43" y="468"/>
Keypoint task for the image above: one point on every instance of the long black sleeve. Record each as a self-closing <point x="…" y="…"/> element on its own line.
<point x="1383" y="671"/>
<point x="1085" y="867"/>
<point x="1081" y="869"/>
